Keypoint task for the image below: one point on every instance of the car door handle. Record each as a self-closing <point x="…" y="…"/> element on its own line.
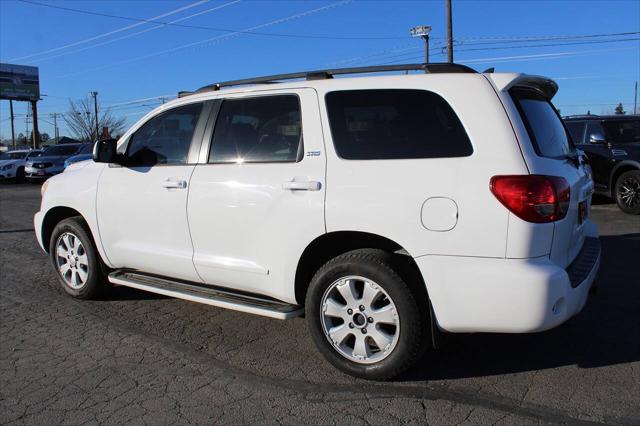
<point x="177" y="184"/>
<point x="308" y="185"/>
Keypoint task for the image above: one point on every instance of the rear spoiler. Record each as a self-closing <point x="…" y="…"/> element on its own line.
<point x="505" y="81"/>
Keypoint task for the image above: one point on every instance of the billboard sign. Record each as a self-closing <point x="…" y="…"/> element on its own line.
<point x="19" y="82"/>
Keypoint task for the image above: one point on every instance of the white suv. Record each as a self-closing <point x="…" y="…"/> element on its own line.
<point x="386" y="209"/>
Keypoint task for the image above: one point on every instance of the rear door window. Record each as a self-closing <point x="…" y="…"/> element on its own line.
<point x="394" y="124"/>
<point x="258" y="130"/>
<point x="576" y="130"/>
<point x="543" y="123"/>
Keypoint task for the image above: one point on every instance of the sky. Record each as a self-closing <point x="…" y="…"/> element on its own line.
<point x="84" y="46"/>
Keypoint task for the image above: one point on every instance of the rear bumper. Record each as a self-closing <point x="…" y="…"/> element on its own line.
<point x="508" y="295"/>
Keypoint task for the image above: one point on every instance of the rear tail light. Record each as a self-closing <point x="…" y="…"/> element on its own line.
<point x="534" y="198"/>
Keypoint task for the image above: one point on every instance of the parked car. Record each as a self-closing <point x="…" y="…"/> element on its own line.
<point x="84" y="154"/>
<point x="612" y="143"/>
<point x="12" y="163"/>
<point x="387" y="209"/>
<point x="51" y="161"/>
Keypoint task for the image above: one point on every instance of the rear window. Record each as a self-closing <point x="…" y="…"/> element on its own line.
<point x="622" y="131"/>
<point x="394" y="124"/>
<point x="544" y="125"/>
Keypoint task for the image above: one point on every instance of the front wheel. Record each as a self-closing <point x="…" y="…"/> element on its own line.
<point x="627" y="192"/>
<point x="363" y="317"/>
<point x="75" y="259"/>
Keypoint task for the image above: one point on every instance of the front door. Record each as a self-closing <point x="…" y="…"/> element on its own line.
<point x="259" y="199"/>
<point x="141" y="204"/>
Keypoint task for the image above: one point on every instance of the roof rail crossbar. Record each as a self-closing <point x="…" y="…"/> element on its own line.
<point x="329" y="73"/>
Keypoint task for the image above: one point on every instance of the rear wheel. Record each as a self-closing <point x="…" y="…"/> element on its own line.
<point x="627" y="192"/>
<point x="76" y="260"/>
<point x="363" y="317"/>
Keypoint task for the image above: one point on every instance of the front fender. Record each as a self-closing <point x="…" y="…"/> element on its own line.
<point x="74" y="189"/>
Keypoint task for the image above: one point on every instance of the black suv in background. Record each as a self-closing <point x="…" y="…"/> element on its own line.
<point x="612" y="143"/>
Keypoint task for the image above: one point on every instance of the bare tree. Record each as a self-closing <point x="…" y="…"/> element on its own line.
<point x="82" y="122"/>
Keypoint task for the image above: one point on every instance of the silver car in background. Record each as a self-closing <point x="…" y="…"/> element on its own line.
<point x="51" y="161"/>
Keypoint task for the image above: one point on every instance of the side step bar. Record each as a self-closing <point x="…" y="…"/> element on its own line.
<point x="214" y="296"/>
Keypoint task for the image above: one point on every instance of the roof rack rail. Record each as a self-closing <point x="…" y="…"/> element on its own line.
<point x="329" y="73"/>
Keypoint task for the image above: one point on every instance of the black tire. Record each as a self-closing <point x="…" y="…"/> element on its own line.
<point x="374" y="265"/>
<point x="95" y="284"/>
<point x="627" y="192"/>
<point x="20" y="175"/>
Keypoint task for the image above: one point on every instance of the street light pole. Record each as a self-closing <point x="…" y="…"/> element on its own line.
<point x="449" y="34"/>
<point x="95" y="107"/>
<point x="422" y="31"/>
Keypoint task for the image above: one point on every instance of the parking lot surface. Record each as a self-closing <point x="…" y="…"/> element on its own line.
<point x="141" y="358"/>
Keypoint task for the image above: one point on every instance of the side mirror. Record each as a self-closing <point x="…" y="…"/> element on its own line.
<point x="597" y="138"/>
<point x="105" y="151"/>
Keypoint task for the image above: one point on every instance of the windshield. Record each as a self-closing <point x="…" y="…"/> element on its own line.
<point x="60" y="150"/>
<point x="545" y="128"/>
<point x="622" y="131"/>
<point x="13" y="156"/>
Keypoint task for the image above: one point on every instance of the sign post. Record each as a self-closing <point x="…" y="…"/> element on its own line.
<point x="21" y="83"/>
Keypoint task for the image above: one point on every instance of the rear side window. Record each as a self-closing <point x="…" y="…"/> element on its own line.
<point x="545" y="128"/>
<point x="394" y="124"/>
<point x="260" y="129"/>
<point x="622" y="131"/>
<point x="576" y="130"/>
<point x="166" y="138"/>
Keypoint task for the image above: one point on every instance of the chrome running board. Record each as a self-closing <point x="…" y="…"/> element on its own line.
<point x="201" y="293"/>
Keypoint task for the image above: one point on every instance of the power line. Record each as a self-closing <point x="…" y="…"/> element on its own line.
<point x="99" y="36"/>
<point x="216" y="39"/>
<point x="223" y="30"/>
<point x="146" y="30"/>
<point x="516" y="47"/>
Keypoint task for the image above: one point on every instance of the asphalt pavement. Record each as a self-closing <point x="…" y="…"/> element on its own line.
<point x="139" y="358"/>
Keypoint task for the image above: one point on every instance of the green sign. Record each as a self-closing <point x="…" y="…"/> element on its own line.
<point x="19" y="82"/>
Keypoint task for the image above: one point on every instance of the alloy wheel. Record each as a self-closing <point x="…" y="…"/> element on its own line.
<point x="72" y="260"/>
<point x="360" y="320"/>
<point x="629" y="192"/>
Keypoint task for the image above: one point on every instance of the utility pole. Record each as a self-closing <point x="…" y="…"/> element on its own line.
<point x="423" y="31"/>
<point x="35" y="133"/>
<point x="13" y="131"/>
<point x="449" y="34"/>
<point x="55" y="126"/>
<point x="95" y="107"/>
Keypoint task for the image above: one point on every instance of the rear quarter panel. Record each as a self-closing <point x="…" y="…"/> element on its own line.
<point x="385" y="197"/>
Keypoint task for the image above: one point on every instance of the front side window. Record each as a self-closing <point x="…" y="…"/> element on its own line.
<point x="545" y="128"/>
<point x="594" y="128"/>
<point x="164" y="139"/>
<point x="261" y="129"/>
<point x="394" y="124"/>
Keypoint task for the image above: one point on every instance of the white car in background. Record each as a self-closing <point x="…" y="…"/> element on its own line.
<point x="12" y="163"/>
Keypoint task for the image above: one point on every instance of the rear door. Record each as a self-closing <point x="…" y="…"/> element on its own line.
<point x="555" y="155"/>
<point x="258" y="199"/>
